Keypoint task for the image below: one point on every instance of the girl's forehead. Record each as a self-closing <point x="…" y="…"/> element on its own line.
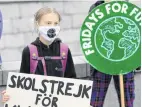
<point x="50" y="17"/>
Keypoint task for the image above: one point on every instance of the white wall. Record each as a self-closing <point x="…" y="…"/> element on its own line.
<point x="18" y="24"/>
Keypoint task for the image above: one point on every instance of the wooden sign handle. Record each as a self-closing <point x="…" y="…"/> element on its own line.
<point x="122" y="95"/>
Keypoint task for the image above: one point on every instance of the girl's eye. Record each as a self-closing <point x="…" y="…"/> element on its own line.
<point x="56" y="23"/>
<point x="48" y="23"/>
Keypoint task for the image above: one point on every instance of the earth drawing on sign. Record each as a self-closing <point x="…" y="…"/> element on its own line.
<point x="117" y="38"/>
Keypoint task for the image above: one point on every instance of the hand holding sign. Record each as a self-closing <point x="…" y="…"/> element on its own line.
<point x="5" y="97"/>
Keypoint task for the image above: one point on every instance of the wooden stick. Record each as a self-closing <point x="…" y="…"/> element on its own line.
<point x="122" y="96"/>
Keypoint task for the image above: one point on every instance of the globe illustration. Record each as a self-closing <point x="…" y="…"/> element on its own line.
<point x="117" y="38"/>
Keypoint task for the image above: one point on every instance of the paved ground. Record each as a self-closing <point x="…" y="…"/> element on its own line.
<point x="111" y="98"/>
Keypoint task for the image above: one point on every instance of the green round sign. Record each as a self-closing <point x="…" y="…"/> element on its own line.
<point x="110" y="37"/>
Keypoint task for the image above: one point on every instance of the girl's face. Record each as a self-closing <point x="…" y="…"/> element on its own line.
<point x="48" y="27"/>
<point x="50" y="19"/>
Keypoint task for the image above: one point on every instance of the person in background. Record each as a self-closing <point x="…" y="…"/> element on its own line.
<point x="101" y="83"/>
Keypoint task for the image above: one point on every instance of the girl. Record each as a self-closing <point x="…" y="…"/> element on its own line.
<point x="47" y="55"/>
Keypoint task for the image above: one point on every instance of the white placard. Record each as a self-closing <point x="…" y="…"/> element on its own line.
<point x="29" y="90"/>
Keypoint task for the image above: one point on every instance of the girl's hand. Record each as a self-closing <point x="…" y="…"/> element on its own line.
<point x="5" y="97"/>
